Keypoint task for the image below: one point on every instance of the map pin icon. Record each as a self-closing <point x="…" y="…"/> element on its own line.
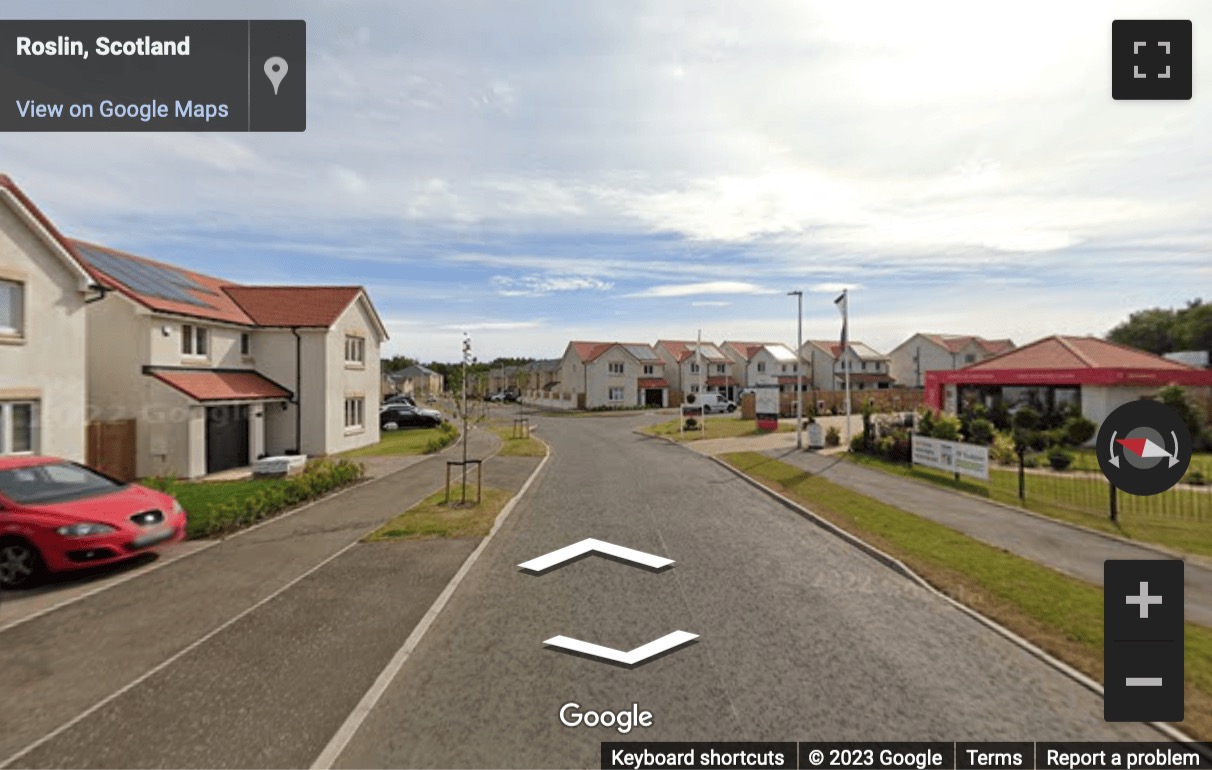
<point x="275" y="70"/>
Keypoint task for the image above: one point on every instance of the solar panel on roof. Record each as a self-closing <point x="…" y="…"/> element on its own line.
<point x="642" y="352"/>
<point x="143" y="278"/>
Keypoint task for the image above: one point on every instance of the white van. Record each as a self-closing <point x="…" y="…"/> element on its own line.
<point x="711" y="403"/>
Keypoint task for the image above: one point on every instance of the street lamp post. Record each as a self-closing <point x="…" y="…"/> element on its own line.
<point x="799" y="375"/>
<point x="466" y="360"/>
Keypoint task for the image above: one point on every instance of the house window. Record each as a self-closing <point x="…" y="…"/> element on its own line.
<point x="18" y="427"/>
<point x="355" y="350"/>
<point x="649" y="368"/>
<point x="355" y="412"/>
<point x="616" y="394"/>
<point x="12" y="307"/>
<point x="719" y="368"/>
<point x="864" y="366"/>
<point x="970" y="358"/>
<point x="193" y="340"/>
<point x="761" y="366"/>
<point x="245" y="344"/>
<point x="694" y="368"/>
<point x="616" y="367"/>
<point x="694" y="388"/>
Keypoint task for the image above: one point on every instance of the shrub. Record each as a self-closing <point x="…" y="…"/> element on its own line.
<point x="692" y="424"/>
<point x="1195" y="478"/>
<point x="1039" y="440"/>
<point x="858" y="442"/>
<point x="318" y="478"/>
<point x="1031" y="461"/>
<point x="1026" y="419"/>
<point x="980" y="431"/>
<point x="833" y="436"/>
<point x="946" y="428"/>
<point x="1059" y="458"/>
<point x="883" y="446"/>
<point x="1078" y="430"/>
<point x="925" y="422"/>
<point x="1002" y="449"/>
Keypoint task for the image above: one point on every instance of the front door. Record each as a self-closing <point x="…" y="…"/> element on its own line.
<point x="654" y="397"/>
<point x="226" y="437"/>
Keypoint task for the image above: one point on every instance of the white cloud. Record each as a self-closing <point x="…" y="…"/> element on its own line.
<point x="710" y="304"/>
<point x="707" y="287"/>
<point x="541" y="285"/>
<point x="830" y="288"/>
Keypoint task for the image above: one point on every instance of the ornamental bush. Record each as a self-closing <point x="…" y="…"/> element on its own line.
<point x="833" y="436"/>
<point x="1059" y="458"/>
<point x="1078" y="430"/>
<point x="980" y="431"/>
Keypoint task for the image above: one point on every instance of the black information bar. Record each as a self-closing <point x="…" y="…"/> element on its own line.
<point x="918" y="755"/>
<point x="153" y="75"/>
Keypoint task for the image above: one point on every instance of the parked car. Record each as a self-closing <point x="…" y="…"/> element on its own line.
<point x="431" y="399"/>
<point x="57" y="516"/>
<point x="400" y="398"/>
<point x="395" y="416"/>
<point x="711" y="403"/>
<point x="497" y="398"/>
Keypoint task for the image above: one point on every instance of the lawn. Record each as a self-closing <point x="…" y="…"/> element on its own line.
<point x="1061" y="614"/>
<point x="198" y="497"/>
<point x="520" y="446"/>
<point x="718" y="426"/>
<point x="432" y="518"/>
<point x="406" y="441"/>
<point x="1180" y="518"/>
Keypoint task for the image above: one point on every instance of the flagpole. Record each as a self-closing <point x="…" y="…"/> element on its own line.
<point x="698" y="357"/>
<point x="845" y="347"/>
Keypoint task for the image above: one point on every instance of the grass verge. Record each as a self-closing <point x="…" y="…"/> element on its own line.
<point x="1058" y="613"/>
<point x="517" y="446"/>
<point x="432" y="518"/>
<point x="220" y="507"/>
<point x="1182" y="521"/>
<point x="409" y="441"/>
<point x="721" y="426"/>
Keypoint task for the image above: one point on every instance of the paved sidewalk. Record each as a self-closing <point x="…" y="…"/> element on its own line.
<point x="1068" y="549"/>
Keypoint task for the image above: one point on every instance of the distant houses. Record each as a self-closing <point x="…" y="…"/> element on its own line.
<point x="912" y="359"/>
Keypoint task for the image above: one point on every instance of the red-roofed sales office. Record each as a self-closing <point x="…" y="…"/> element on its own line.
<point x="1056" y="372"/>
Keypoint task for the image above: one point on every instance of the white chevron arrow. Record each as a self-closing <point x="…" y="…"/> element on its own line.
<point x="638" y="655"/>
<point x="589" y="545"/>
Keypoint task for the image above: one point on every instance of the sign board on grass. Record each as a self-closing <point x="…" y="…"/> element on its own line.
<point x="766" y="403"/>
<point x="816" y="436"/>
<point x="951" y="456"/>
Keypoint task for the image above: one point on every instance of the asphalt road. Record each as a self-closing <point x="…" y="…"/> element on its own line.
<point x="802" y="636"/>
<point x="250" y="653"/>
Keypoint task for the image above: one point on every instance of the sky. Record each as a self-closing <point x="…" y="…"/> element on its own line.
<point x="535" y="172"/>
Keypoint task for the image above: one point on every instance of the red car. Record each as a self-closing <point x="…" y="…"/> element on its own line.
<point x="57" y="515"/>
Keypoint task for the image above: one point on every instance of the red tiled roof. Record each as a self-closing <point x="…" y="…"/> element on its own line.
<point x="954" y="343"/>
<point x="747" y="350"/>
<point x="218" y="306"/>
<point x="225" y="301"/>
<point x="834" y="348"/>
<point x="653" y="382"/>
<point x="589" y="351"/>
<point x="684" y="349"/>
<point x="790" y="379"/>
<point x="211" y="385"/>
<point x="721" y="381"/>
<point x="293" y="305"/>
<point x="1061" y="352"/>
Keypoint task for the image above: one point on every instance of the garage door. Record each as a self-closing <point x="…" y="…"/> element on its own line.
<point x="226" y="437"/>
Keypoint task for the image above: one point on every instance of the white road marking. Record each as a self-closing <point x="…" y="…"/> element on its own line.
<point x="589" y="545"/>
<point x="638" y="655"/>
<point x="340" y="740"/>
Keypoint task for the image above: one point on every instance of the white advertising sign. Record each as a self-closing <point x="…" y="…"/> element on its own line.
<point x="766" y="401"/>
<point x="951" y="456"/>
